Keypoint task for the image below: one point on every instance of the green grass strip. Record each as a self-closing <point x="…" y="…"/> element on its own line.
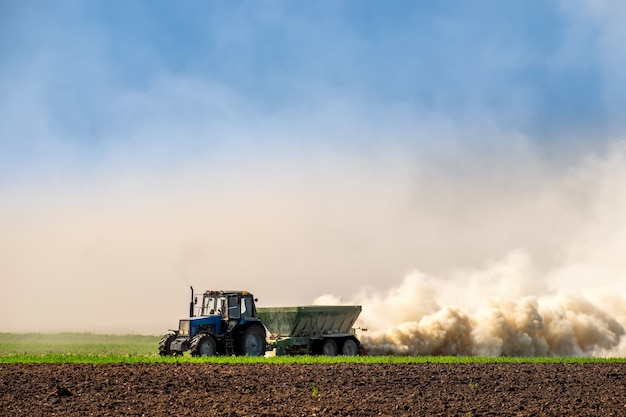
<point x="90" y="348"/>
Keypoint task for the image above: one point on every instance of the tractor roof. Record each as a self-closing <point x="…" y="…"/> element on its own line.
<point x="227" y="292"/>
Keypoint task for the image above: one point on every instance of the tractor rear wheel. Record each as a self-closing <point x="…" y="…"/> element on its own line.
<point x="203" y="345"/>
<point x="349" y="348"/>
<point x="329" y="347"/>
<point x="252" y="341"/>
<point x="164" y="345"/>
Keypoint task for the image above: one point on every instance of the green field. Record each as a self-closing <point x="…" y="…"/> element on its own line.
<point x="101" y="348"/>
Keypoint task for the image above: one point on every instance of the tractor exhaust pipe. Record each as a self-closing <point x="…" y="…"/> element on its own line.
<point x="191" y="303"/>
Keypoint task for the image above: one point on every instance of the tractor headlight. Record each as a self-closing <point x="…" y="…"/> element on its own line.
<point x="183" y="327"/>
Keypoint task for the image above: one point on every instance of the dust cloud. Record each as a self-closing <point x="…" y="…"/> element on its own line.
<point x="510" y="255"/>
<point x="574" y="306"/>
<point x="549" y="325"/>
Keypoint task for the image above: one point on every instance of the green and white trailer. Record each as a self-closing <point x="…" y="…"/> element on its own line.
<point x="313" y="330"/>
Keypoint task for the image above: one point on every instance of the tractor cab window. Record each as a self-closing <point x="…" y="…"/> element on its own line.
<point x="233" y="307"/>
<point x="209" y="304"/>
<point x="246" y="307"/>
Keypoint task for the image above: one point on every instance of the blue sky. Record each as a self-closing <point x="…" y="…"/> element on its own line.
<point x="82" y="79"/>
<point x="314" y="147"/>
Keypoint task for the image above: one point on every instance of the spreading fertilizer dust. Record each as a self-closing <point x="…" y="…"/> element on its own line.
<point x="510" y="306"/>
<point x="548" y="325"/>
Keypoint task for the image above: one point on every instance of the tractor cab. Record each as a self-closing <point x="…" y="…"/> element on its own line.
<point x="230" y="305"/>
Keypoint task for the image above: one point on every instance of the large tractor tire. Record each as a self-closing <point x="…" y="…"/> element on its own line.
<point x="329" y="348"/>
<point x="252" y="342"/>
<point x="164" y="345"/>
<point x="350" y="348"/>
<point x="203" y="345"/>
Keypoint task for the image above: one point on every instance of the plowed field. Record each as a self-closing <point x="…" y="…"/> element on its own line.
<point x="597" y="389"/>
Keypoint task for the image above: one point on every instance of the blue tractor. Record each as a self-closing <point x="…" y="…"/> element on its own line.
<point x="226" y="324"/>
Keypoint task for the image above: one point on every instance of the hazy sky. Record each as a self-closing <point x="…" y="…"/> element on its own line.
<point x="297" y="149"/>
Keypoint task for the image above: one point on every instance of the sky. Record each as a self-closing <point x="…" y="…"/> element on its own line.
<point x="305" y="149"/>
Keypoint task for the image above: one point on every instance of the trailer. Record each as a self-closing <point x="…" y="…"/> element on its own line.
<point x="313" y="330"/>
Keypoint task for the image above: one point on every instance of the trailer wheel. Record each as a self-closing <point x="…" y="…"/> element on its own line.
<point x="349" y="348"/>
<point x="253" y="341"/>
<point x="164" y="345"/>
<point x="329" y="347"/>
<point x="203" y="345"/>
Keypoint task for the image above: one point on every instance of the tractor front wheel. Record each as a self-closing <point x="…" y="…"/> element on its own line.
<point x="164" y="345"/>
<point x="203" y="345"/>
<point x="253" y="341"/>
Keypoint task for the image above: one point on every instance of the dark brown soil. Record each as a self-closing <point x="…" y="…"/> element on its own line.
<point x="314" y="390"/>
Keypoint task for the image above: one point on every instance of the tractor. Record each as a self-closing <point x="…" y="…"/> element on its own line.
<point x="226" y="324"/>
